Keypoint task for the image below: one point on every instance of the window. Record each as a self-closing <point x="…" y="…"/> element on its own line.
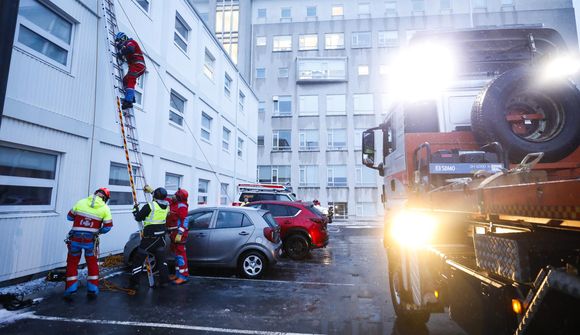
<point x="322" y="69"/>
<point x="364" y="9"/>
<point x="260" y="73"/>
<point x="363" y="103"/>
<point x="119" y="184"/>
<point x="261" y="41"/>
<point x="224" y="193"/>
<point x="361" y="39"/>
<point x="505" y="2"/>
<point x="282" y="72"/>
<point x="277" y="174"/>
<point x="118" y="175"/>
<point x="206" y="121"/>
<point x="308" y="42"/>
<point x="227" y="85"/>
<point x="181" y="35"/>
<point x="172" y="182"/>
<point x="29" y="178"/>
<point x="311" y="11"/>
<point x="261" y="140"/>
<point x="445" y="4"/>
<point x="334" y="41"/>
<point x="366" y="208"/>
<point x="139" y="88"/>
<point x="281" y="140"/>
<point x="309" y="175"/>
<point x="308" y="104"/>
<point x="336" y="175"/>
<point x="363" y="70"/>
<point x="481" y="4"/>
<point x="340" y="209"/>
<point x="389" y="38"/>
<point x="285" y="14"/>
<point x="391" y="8"/>
<point x="418" y="5"/>
<point x="176" y="108"/>
<point x="42" y="31"/>
<point x="202" y="191"/>
<point x="282" y="105"/>
<point x="335" y="104"/>
<point x="261" y="13"/>
<point x="226" y="133"/>
<point x="200" y="220"/>
<point x="282" y="43"/>
<point x="337" y="10"/>
<point x="144" y="4"/>
<point x="336" y="139"/>
<point x="240" y="147"/>
<point x="365" y="176"/>
<point x="308" y="139"/>
<point x="261" y="107"/>
<point x="209" y="65"/>
<point x="242" y="100"/>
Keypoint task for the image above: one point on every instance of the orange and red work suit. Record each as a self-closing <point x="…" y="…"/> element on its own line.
<point x="131" y="51"/>
<point x="176" y="224"/>
<point x="91" y="216"/>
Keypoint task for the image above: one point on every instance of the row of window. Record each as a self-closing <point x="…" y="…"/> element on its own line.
<point x="283" y="72"/>
<point x="336" y="175"/>
<point x="309" y="139"/>
<point x="364" y="9"/>
<point x="363" y="103"/>
<point x="332" y="41"/>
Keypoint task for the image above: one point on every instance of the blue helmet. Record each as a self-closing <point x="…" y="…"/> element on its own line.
<point x="120" y="37"/>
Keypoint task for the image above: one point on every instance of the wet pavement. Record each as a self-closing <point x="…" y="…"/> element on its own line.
<point x="342" y="289"/>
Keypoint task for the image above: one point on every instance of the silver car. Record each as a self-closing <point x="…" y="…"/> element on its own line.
<point x="235" y="237"/>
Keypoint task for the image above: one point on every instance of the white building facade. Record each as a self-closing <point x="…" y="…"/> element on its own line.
<point x="60" y="139"/>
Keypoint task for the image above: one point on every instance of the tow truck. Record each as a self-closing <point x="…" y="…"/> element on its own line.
<point x="482" y="182"/>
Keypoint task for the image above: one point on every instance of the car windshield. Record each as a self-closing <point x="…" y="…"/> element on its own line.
<point x="270" y="220"/>
<point x="315" y="210"/>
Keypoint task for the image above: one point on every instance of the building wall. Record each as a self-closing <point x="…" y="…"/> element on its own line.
<point x="69" y="111"/>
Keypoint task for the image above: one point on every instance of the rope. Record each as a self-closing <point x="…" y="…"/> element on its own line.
<point x="107" y="285"/>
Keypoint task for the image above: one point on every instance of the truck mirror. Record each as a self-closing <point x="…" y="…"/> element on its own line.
<point x="368" y="148"/>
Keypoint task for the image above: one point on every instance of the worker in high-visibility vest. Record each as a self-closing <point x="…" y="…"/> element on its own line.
<point x="128" y="49"/>
<point x="153" y="216"/>
<point x="91" y="216"/>
<point x="178" y="231"/>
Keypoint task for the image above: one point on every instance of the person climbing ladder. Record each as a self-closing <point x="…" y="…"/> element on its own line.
<point x="129" y="50"/>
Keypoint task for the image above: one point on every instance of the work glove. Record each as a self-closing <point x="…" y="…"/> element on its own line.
<point x="135" y="208"/>
<point x="178" y="238"/>
<point x="148" y="189"/>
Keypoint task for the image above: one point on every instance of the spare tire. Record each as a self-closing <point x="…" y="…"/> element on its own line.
<point x="526" y="116"/>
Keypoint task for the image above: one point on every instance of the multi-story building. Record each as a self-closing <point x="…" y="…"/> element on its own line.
<point x="60" y="140"/>
<point x="320" y="71"/>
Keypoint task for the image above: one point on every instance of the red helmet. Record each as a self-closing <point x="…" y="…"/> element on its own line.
<point x="181" y="195"/>
<point x="104" y="191"/>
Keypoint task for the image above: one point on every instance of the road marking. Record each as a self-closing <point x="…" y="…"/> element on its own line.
<point x="161" y="325"/>
<point x="276" y="281"/>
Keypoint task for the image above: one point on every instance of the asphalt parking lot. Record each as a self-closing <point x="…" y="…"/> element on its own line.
<point x="342" y="289"/>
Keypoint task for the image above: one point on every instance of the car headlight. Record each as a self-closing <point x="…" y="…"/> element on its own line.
<point x="413" y="229"/>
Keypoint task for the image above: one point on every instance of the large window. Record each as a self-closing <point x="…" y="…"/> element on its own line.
<point x="224" y="190"/>
<point x="340" y="209"/>
<point x="388" y="38"/>
<point x="277" y="174"/>
<point x="172" y="182"/>
<point x="334" y="41"/>
<point x="227" y="26"/>
<point x="27" y="178"/>
<point x="176" y="108"/>
<point x="321" y="69"/>
<point x="309" y="175"/>
<point x="226" y="134"/>
<point x="282" y="43"/>
<point x="206" y="122"/>
<point x="336" y="139"/>
<point x="336" y="104"/>
<point x="209" y="65"/>
<point x="363" y="103"/>
<point x="283" y="105"/>
<point x="309" y="139"/>
<point x="365" y="176"/>
<point x="227" y="85"/>
<point x="336" y="176"/>
<point x="202" y="191"/>
<point x="361" y="39"/>
<point x="119" y="184"/>
<point x="181" y="34"/>
<point x="308" y="42"/>
<point x="281" y="140"/>
<point x="44" y="32"/>
<point x="308" y="104"/>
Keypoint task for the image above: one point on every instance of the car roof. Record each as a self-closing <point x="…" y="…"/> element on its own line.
<point x="229" y="208"/>
<point x="277" y="202"/>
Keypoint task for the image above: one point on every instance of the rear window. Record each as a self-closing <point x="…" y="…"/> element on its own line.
<point x="270" y="220"/>
<point x="315" y="211"/>
<point x="276" y="210"/>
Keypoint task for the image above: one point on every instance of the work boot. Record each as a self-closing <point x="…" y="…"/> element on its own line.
<point x="179" y="281"/>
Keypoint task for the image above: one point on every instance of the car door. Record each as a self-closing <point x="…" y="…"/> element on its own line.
<point x="199" y="232"/>
<point x="232" y="231"/>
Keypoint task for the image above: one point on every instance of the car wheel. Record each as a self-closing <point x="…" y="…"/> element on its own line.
<point x="252" y="265"/>
<point x="297" y="247"/>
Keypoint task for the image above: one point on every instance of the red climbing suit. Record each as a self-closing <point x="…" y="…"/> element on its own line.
<point x="131" y="50"/>
<point x="176" y="223"/>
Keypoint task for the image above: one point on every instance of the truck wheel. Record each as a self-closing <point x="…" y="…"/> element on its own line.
<point x="296" y="247"/>
<point x="400" y="297"/>
<point x="525" y="117"/>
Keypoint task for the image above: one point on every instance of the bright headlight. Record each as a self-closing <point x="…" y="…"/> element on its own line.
<point x="561" y="68"/>
<point x="413" y="229"/>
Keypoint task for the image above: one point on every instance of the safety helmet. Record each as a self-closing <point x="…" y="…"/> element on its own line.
<point x="160" y="193"/>
<point x="121" y="37"/>
<point x="316" y="202"/>
<point x="181" y="195"/>
<point x="104" y="191"/>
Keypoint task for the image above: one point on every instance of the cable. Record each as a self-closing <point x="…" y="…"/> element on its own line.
<point x="169" y="91"/>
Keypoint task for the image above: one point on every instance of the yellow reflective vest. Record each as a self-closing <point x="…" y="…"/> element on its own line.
<point x="157" y="215"/>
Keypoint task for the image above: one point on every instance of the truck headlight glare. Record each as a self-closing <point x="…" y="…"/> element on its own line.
<point x="413" y="229"/>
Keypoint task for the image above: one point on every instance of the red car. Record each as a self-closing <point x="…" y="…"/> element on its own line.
<point x="302" y="226"/>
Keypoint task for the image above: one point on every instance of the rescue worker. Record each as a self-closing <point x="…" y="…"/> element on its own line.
<point x="91" y="216"/>
<point x="129" y="50"/>
<point x="178" y="231"/>
<point x="153" y="216"/>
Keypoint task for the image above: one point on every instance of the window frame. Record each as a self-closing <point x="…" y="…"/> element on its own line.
<point x="226" y="139"/>
<point x="302" y="42"/>
<point x="260" y="70"/>
<point x="281" y="72"/>
<point x="209" y="68"/>
<point x="261" y="11"/>
<point x="330" y="139"/>
<point x="276" y="111"/>
<point x="240" y="148"/>
<point x="179" y="181"/>
<point x="177" y="34"/>
<point x="336" y="112"/>
<point x="331" y="176"/>
<point x="334" y="14"/>
<point x="277" y="40"/>
<point x="286" y="18"/>
<point x="276" y="140"/>
<point x="355" y="35"/>
<point x="303" y="179"/>
<point x="315" y="12"/>
<point x="228" y="84"/>
<point x="174" y="110"/>
<point x="356" y="97"/>
<point x="224" y="197"/>
<point x="302" y="99"/>
<point x="204" y="129"/>
<point x="140" y="90"/>
<point x="303" y="140"/>
<point x="384" y="42"/>
<point x="328" y="37"/>
<point x="200" y="194"/>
